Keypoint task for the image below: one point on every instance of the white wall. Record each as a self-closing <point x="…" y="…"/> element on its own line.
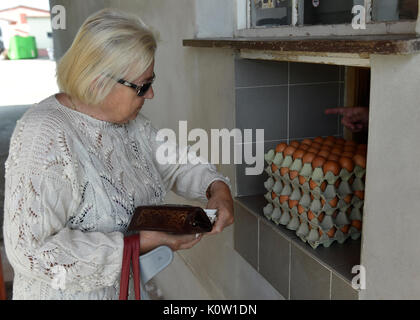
<point x="391" y="224"/>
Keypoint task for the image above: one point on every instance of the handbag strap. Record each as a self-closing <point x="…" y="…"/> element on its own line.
<point x="131" y="254"/>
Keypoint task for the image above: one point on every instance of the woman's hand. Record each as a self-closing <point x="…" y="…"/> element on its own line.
<point x="150" y="240"/>
<point x="356" y="119"/>
<point x="220" y="199"/>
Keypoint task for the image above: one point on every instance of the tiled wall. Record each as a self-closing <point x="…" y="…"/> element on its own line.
<point x="292" y="267"/>
<point x="287" y="100"/>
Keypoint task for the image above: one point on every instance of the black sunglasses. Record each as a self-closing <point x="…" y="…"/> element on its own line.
<point x="142" y="89"/>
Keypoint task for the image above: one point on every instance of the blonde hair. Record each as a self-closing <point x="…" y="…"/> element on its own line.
<point x="109" y="45"/>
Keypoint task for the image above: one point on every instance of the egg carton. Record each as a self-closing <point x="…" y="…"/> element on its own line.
<point x="344" y="193"/>
<point x="329" y="200"/>
<point x="306" y="170"/>
<point x="314" y="234"/>
<point x="303" y="225"/>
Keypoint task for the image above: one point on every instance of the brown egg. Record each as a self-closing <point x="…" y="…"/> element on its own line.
<point x="289" y="151"/>
<point x="295" y="144"/>
<point x="302" y="180"/>
<point x="312" y="150"/>
<point x="319" y="140"/>
<point x="360" y="161"/>
<point x="331" y="138"/>
<point x="324" y="154"/>
<point x="347" y="199"/>
<point x="348" y="155"/>
<point x="333" y="157"/>
<point x="280" y="147"/>
<point x="323" y="202"/>
<point x="321" y="217"/>
<point x="284" y="171"/>
<point x="340" y="141"/>
<point x="274" y="168"/>
<point x="357" y="224"/>
<point x="318" y="162"/>
<point x="300" y="209"/>
<point x="337" y="151"/>
<point x="304" y="147"/>
<point x="325" y="148"/>
<point x="361" y="152"/>
<point x="293" y="203"/>
<point x="293" y="174"/>
<point x="335" y="214"/>
<point x="283" y="199"/>
<point x="346" y="163"/>
<point x="331" y="233"/>
<point x="308" y="142"/>
<point x="360" y="194"/>
<point x="311" y="215"/>
<point x="350" y="143"/>
<point x="273" y="195"/>
<point x="332" y="166"/>
<point x="329" y="143"/>
<point x="337" y="183"/>
<point x="316" y="145"/>
<point x="313" y="184"/>
<point x="333" y="202"/>
<point x="345" y="229"/>
<point x="349" y="149"/>
<point x="308" y="157"/>
<point x="298" y="154"/>
<point x="323" y="186"/>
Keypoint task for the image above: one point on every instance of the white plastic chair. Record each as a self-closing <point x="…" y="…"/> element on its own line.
<point x="151" y="264"/>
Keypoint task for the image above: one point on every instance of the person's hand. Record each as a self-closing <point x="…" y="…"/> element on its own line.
<point x="150" y="240"/>
<point x="356" y="119"/>
<point x="220" y="199"/>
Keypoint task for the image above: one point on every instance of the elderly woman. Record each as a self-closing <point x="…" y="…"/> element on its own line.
<point x="82" y="160"/>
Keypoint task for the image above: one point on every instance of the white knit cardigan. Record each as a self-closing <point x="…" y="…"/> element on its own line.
<point x="72" y="184"/>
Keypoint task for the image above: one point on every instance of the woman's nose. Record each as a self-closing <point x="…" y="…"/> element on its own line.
<point x="150" y="93"/>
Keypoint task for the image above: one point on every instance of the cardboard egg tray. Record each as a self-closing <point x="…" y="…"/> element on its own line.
<point x="321" y="208"/>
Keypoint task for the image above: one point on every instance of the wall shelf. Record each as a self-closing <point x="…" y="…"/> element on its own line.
<point x="346" y="50"/>
<point x="361" y="45"/>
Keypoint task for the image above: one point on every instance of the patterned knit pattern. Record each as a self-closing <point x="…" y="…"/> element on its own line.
<point x="72" y="184"/>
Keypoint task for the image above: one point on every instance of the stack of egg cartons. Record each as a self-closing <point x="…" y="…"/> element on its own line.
<point x="316" y="188"/>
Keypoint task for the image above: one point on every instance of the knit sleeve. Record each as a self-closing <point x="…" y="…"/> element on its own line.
<point x="40" y="245"/>
<point x="183" y="172"/>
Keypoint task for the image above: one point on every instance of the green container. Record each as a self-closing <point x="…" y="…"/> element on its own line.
<point x="22" y="48"/>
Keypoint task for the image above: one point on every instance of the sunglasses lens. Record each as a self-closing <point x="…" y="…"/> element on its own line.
<point x="143" y="90"/>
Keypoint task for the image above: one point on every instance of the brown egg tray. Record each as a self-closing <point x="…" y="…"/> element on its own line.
<point x="316" y="188"/>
